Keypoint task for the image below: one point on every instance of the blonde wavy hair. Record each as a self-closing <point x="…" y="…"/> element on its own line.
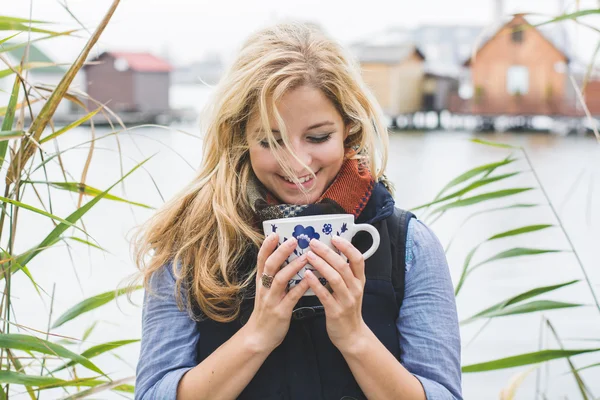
<point x="204" y="231"/>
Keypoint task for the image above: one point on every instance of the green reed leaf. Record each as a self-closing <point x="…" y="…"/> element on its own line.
<point x="76" y="187"/>
<point x="9" y="117"/>
<point x="97" y="350"/>
<point x="85" y="242"/>
<point x="6" y="39"/>
<point x="48" y="382"/>
<point x="537" y="291"/>
<point x="465" y="176"/>
<point x="4" y="18"/>
<point x="32" y="343"/>
<point x="481" y="198"/>
<point x="465" y="270"/>
<point x="520" y="231"/>
<point x="114" y="385"/>
<point x="7" y="25"/>
<point x="477" y="213"/>
<point x="17" y="378"/>
<point x="89" y="331"/>
<point x="35" y="210"/>
<point x="533" y="306"/>
<point x="588" y="367"/>
<point x="516" y="252"/>
<point x="571" y="16"/>
<point x="495" y="144"/>
<point x="517" y="299"/>
<point x="29" y="66"/>
<point x="8" y="135"/>
<point x="524" y="359"/>
<point x="90" y="304"/>
<point x="472" y="186"/>
<point x="11" y="47"/>
<point x="55" y="234"/>
<point x="72" y="125"/>
<point x="583" y="388"/>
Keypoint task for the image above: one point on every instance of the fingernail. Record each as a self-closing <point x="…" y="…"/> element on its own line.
<point x="311" y="255"/>
<point x="302" y="257"/>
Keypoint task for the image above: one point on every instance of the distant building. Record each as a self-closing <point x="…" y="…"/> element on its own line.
<point x="129" y="82"/>
<point x="522" y="70"/>
<point x="46" y="73"/>
<point x="395" y="74"/>
<point x="439" y="75"/>
<point x="446" y="47"/>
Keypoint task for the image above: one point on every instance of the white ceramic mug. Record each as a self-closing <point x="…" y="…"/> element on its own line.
<point x="322" y="228"/>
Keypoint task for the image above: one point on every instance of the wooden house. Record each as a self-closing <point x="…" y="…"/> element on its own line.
<point x="130" y="82"/>
<point x="522" y="70"/>
<point x="395" y="75"/>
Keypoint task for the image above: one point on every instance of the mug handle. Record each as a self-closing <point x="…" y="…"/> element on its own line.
<point x="374" y="234"/>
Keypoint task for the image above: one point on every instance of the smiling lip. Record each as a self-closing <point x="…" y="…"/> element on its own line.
<point x="291" y="185"/>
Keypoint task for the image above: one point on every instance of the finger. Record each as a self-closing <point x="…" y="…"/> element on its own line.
<point x="321" y="292"/>
<point x="293" y="296"/>
<point x="333" y="259"/>
<point x="356" y="259"/>
<point x="279" y="256"/>
<point x="342" y="293"/>
<point x="283" y="277"/>
<point x="265" y="251"/>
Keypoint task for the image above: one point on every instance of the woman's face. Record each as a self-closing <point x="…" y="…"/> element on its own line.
<point x="316" y="133"/>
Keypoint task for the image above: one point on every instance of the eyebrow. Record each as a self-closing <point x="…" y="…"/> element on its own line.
<point x="320" y="124"/>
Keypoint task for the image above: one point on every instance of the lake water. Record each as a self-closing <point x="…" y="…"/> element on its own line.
<point x="420" y="164"/>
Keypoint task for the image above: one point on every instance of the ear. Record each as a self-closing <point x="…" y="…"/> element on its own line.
<point x="346" y="131"/>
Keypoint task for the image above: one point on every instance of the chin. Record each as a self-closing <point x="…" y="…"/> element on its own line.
<point x="300" y="198"/>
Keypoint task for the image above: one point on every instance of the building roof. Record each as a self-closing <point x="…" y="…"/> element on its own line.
<point x="444" y="47"/>
<point x="385" y="54"/>
<point x="140" y="62"/>
<point x="554" y="33"/>
<point x="17" y="51"/>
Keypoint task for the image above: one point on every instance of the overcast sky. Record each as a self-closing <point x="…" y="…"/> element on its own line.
<point x="188" y="29"/>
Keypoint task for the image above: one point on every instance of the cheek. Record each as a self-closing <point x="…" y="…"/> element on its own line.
<point x="262" y="161"/>
<point x="333" y="155"/>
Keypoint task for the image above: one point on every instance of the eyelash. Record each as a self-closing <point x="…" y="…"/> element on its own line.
<point x="315" y="140"/>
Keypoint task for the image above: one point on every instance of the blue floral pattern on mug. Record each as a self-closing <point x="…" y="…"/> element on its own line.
<point x="327" y="229"/>
<point x="344" y="227"/>
<point x="304" y="235"/>
<point x="273" y="228"/>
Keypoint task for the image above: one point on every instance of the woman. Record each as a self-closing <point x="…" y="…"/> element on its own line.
<point x="293" y="131"/>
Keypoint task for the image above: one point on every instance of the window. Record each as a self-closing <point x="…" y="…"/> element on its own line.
<point x="517" y="34"/>
<point x="517" y="79"/>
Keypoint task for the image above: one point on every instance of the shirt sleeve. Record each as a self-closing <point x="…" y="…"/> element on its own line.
<point x="169" y="339"/>
<point x="428" y="323"/>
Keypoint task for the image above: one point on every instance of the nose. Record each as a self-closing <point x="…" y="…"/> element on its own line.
<point x="305" y="156"/>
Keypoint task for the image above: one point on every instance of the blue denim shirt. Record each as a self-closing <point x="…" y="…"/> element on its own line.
<point x="427" y="326"/>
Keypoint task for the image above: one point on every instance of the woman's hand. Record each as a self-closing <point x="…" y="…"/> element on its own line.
<point x="270" y="320"/>
<point x="343" y="307"/>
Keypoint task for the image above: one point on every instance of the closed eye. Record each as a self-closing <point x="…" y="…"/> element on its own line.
<point x="320" y="139"/>
<point x="312" y="139"/>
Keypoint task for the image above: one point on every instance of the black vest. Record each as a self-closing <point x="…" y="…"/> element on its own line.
<point x="307" y="365"/>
